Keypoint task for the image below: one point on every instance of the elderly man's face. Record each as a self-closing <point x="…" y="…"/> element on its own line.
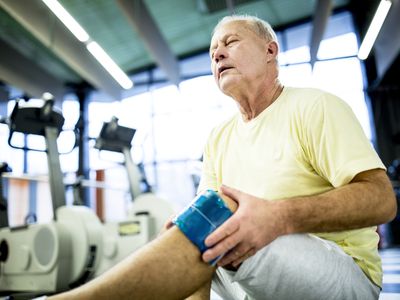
<point x="239" y="57"/>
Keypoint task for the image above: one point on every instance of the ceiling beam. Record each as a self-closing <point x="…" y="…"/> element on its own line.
<point x="140" y="18"/>
<point x="44" y="25"/>
<point x="321" y="16"/>
<point x="25" y="74"/>
<point x="387" y="44"/>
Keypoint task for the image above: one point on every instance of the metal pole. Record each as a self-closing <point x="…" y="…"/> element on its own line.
<point x="134" y="175"/>
<point x="57" y="188"/>
<point x="83" y="147"/>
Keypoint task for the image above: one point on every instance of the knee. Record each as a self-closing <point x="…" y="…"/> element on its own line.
<point x="288" y="250"/>
<point x="286" y="243"/>
<point x="205" y="213"/>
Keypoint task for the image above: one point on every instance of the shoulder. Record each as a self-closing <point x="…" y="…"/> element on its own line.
<point x="224" y="127"/>
<point x="310" y="96"/>
<point x="311" y="100"/>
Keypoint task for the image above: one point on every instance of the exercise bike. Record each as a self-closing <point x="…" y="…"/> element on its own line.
<point x="63" y="253"/>
<point x="147" y="213"/>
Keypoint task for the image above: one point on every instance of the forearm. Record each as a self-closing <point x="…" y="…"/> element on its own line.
<point x="367" y="201"/>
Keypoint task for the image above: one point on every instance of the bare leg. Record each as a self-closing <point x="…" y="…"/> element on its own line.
<point x="203" y="293"/>
<point x="169" y="267"/>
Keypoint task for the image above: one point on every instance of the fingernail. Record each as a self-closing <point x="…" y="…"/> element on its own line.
<point x="208" y="242"/>
<point x="206" y="258"/>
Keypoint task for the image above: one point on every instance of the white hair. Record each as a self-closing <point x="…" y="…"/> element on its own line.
<point x="259" y="26"/>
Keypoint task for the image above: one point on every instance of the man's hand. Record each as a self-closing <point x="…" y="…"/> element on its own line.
<point x="167" y="225"/>
<point x="255" y="224"/>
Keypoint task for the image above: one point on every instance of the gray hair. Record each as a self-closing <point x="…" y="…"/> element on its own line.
<point x="259" y="26"/>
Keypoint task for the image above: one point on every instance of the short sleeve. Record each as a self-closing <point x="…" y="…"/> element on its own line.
<point x="336" y="144"/>
<point x="208" y="176"/>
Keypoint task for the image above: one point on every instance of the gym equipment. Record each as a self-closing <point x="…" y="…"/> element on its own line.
<point x="61" y="254"/>
<point x="148" y="212"/>
<point x="3" y="201"/>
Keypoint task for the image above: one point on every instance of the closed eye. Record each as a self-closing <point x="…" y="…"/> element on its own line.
<point x="231" y="42"/>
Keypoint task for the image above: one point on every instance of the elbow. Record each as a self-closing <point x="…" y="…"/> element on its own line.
<point x="392" y="208"/>
<point x="389" y="204"/>
<point x="386" y="197"/>
<point x="380" y="191"/>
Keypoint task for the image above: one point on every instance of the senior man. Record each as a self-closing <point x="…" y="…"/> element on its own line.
<point x="306" y="186"/>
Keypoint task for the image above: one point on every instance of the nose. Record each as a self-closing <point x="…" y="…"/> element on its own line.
<point x="220" y="53"/>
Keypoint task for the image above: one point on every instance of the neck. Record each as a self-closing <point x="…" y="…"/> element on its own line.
<point x="251" y="106"/>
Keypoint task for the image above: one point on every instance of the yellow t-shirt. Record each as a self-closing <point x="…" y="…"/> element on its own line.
<point x="306" y="142"/>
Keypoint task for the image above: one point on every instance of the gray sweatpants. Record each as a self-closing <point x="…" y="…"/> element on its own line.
<point x="299" y="266"/>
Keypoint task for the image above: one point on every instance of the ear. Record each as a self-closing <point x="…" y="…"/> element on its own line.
<point x="272" y="50"/>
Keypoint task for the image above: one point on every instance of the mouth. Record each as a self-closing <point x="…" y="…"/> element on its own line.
<point x="222" y="69"/>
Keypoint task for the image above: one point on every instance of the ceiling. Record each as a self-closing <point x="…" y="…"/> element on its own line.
<point x="39" y="53"/>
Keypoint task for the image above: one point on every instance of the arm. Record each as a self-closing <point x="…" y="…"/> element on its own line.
<point x="366" y="201"/>
<point x="170" y="267"/>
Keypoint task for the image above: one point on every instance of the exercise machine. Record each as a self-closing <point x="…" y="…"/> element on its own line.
<point x="147" y="213"/>
<point x="3" y="201"/>
<point x="58" y="255"/>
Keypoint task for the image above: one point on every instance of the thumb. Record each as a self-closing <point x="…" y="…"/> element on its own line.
<point x="168" y="223"/>
<point x="232" y="193"/>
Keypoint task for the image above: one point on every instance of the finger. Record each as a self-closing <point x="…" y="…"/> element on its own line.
<point x="236" y="253"/>
<point x="221" y="248"/>
<point x="168" y="224"/>
<point x="238" y="261"/>
<point x="232" y="204"/>
<point x="226" y="229"/>
<point x="231" y="192"/>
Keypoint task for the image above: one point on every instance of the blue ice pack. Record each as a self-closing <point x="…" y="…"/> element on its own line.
<point x="204" y="214"/>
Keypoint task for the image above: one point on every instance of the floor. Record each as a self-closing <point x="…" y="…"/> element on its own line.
<point x="391" y="275"/>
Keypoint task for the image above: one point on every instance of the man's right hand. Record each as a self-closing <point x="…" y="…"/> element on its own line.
<point x="255" y="224"/>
